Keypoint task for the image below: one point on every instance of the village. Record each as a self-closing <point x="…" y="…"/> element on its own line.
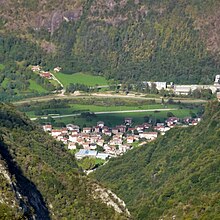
<point x="103" y="142"/>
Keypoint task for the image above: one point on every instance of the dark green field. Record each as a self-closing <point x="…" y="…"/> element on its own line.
<point x="117" y="119"/>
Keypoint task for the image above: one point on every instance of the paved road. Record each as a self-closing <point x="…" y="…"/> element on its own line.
<point x="109" y="112"/>
<point x="103" y="95"/>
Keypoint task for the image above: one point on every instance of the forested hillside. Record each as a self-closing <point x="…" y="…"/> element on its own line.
<point x="175" y="177"/>
<point x="171" y="40"/>
<point x="39" y="178"/>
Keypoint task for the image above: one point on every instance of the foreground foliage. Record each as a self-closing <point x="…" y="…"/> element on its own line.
<point x="47" y="171"/>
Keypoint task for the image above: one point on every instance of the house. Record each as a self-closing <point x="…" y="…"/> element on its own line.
<point x="121" y="128"/>
<point x="86" y="145"/>
<point x="72" y="146"/>
<point x="73" y="138"/>
<point x="57" y="69"/>
<point x="195" y="121"/>
<point x="217" y="80"/>
<point x="187" y="120"/>
<point x="64" y="140"/>
<point x="72" y="127"/>
<point x="146" y="125"/>
<point x="119" y="135"/>
<point x="123" y="148"/>
<point x="183" y="89"/>
<point x="116" y="141"/>
<point x="93" y="146"/>
<point x="87" y="130"/>
<point x="64" y="131"/>
<point x="47" y="128"/>
<point x="55" y="133"/>
<point x="85" y="136"/>
<point x="110" y="149"/>
<point x="159" y="85"/>
<point x="80" y="141"/>
<point x="160" y="124"/>
<point x="128" y="121"/>
<point x="172" y="121"/>
<point x="161" y="128"/>
<point x="85" y="153"/>
<point x="115" y="130"/>
<point x="46" y="75"/>
<point x="130" y="139"/>
<point x="149" y="135"/>
<point x="187" y="89"/>
<point x="105" y="128"/>
<point x="139" y="128"/>
<point x="97" y="129"/>
<point x="102" y="156"/>
<point x="107" y="132"/>
<point x="93" y="139"/>
<point x="106" y="147"/>
<point x="35" y="68"/>
<point x="59" y="137"/>
<point x="100" y="124"/>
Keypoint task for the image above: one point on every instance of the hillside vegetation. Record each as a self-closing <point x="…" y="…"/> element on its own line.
<point x="39" y="178"/>
<point x="172" y="40"/>
<point x="177" y="176"/>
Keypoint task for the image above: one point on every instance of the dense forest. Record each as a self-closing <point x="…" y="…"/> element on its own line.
<point x="47" y="178"/>
<point x="176" y="176"/>
<point x="17" y="81"/>
<point x="173" y="40"/>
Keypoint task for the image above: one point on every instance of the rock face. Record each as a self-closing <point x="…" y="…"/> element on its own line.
<point x="111" y="199"/>
<point x="39" y="14"/>
<point x="27" y="197"/>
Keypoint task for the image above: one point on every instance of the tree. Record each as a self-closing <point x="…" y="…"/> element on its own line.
<point x="153" y="88"/>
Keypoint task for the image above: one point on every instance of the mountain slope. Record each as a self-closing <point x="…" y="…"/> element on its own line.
<point x="45" y="180"/>
<point x="177" y="175"/>
<point x="172" y="40"/>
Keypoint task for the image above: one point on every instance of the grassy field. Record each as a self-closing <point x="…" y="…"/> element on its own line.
<point x="97" y="108"/>
<point x="117" y="119"/>
<point x="81" y="78"/>
<point x="36" y="87"/>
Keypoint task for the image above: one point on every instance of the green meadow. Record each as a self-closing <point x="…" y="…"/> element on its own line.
<point x="36" y="87"/>
<point x="74" y="108"/>
<point x="81" y="78"/>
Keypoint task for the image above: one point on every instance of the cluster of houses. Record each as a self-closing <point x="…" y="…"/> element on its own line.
<point x="103" y="142"/>
<point x="45" y="74"/>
